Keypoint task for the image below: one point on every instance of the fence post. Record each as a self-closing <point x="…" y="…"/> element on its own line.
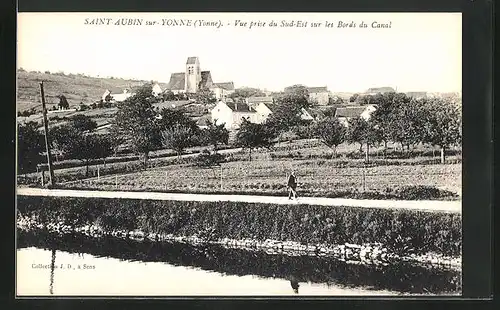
<point x="98" y="173"/>
<point x="364" y="178"/>
<point x="43" y="177"/>
<point x="221" y="176"/>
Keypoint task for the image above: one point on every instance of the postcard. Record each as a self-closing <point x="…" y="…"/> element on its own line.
<point x="231" y="154"/>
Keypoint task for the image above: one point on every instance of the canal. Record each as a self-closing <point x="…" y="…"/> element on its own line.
<point x="79" y="265"/>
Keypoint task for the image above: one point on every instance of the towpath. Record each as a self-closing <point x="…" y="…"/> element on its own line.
<point x="424" y="205"/>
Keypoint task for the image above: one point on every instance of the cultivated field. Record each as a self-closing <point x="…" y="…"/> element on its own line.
<point x="270" y="177"/>
<point x="267" y="172"/>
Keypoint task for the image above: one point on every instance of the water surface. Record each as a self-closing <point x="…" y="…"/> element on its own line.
<point x="83" y="265"/>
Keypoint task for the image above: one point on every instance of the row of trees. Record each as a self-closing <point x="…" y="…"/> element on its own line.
<point x="398" y="119"/>
<point x="402" y="120"/>
<point x="76" y="139"/>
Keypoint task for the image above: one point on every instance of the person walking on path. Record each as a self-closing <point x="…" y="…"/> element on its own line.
<point x="292" y="186"/>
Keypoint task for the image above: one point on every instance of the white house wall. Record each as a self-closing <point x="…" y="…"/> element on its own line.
<point x="319" y="98"/>
<point x="237" y="118"/>
<point x="263" y="112"/>
<point x="222" y="114"/>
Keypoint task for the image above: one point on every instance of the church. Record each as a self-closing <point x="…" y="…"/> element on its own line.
<point x="193" y="80"/>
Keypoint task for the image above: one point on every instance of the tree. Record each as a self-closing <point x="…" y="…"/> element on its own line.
<point x="286" y="116"/>
<point x="169" y="95"/>
<point x="363" y="132"/>
<point x="63" y="102"/>
<point x="104" y="146"/>
<point x="331" y="132"/>
<point x="330" y="112"/>
<point x="335" y="100"/>
<point x="297" y="95"/>
<point x="30" y="143"/>
<point x="365" y="100"/>
<point x="215" y="135"/>
<point x="177" y="138"/>
<point x="205" y="96"/>
<point x="168" y="118"/>
<point x="83" y="123"/>
<point x="90" y="146"/>
<point x="252" y="136"/>
<point x="136" y="121"/>
<point x="108" y="98"/>
<point x="63" y="139"/>
<point x="85" y="146"/>
<point x="386" y="114"/>
<point x="443" y="124"/>
<point x="354" y="98"/>
<point x="246" y="92"/>
<point x="118" y="138"/>
<point x="407" y="123"/>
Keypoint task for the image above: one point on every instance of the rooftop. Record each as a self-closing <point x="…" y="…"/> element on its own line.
<point x="239" y="107"/>
<point x="177" y="81"/>
<point x="225" y="85"/>
<point x="191" y="60"/>
<point x="380" y="90"/>
<point x="321" y="89"/>
<point x="349" y="112"/>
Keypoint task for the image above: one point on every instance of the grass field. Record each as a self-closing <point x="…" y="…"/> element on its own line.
<point x="76" y="88"/>
<point x="271" y="176"/>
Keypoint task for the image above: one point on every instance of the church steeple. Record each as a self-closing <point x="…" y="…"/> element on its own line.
<point x="193" y="75"/>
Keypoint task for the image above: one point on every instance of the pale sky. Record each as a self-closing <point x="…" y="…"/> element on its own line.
<point x="420" y="52"/>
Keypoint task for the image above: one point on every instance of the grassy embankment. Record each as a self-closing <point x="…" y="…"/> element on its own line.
<point x="401" y="231"/>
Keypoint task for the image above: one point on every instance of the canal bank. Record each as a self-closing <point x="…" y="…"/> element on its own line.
<point x="362" y="231"/>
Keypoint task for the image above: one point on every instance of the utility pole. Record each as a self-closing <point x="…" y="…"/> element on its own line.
<point x="47" y="141"/>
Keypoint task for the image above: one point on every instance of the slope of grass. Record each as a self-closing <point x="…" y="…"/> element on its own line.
<point x="76" y="87"/>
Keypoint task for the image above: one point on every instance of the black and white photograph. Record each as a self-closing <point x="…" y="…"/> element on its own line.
<point x="239" y="154"/>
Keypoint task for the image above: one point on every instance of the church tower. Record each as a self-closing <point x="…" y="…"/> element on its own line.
<point x="193" y="75"/>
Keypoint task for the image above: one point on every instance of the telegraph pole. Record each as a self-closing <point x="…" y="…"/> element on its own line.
<point x="47" y="141"/>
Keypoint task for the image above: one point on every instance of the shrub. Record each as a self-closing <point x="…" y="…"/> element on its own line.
<point x="205" y="159"/>
<point x="422" y="192"/>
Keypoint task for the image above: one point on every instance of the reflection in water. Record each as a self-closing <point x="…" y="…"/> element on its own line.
<point x="403" y="277"/>
<point x="52" y="263"/>
<point x="295" y="284"/>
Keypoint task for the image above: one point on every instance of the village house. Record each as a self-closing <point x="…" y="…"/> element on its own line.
<point x="231" y="114"/>
<point x="417" y="94"/>
<point x="157" y="90"/>
<point x="319" y="95"/>
<point x="254" y="101"/>
<point x="116" y="95"/>
<point x="346" y="113"/>
<point x="377" y="90"/>
<point x="193" y="80"/>
<point x="222" y="90"/>
<point x="203" y="121"/>
<point x="264" y="109"/>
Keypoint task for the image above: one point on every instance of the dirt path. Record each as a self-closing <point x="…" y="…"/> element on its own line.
<point x="424" y="205"/>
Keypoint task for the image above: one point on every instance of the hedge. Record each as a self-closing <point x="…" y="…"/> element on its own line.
<point x="401" y="231"/>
